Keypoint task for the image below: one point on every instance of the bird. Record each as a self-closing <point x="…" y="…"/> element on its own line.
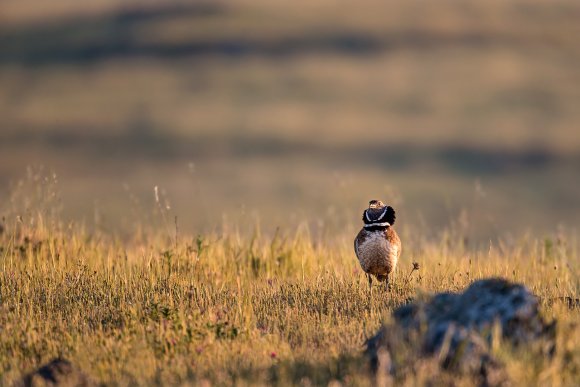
<point x="377" y="245"/>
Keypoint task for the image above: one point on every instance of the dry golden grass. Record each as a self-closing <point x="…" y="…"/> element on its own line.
<point x="159" y="307"/>
<point x="462" y="115"/>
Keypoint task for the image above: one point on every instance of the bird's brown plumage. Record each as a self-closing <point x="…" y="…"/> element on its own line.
<point x="378" y="248"/>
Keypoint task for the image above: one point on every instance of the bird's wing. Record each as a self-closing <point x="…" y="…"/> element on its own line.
<point x="394" y="239"/>
<point x="356" y="243"/>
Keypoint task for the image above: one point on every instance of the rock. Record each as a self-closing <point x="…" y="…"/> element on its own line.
<point x="458" y="329"/>
<point x="58" y="372"/>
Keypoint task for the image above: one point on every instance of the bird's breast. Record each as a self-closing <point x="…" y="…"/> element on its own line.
<point x="375" y="253"/>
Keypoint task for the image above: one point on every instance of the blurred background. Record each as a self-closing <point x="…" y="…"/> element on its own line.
<point x="464" y="115"/>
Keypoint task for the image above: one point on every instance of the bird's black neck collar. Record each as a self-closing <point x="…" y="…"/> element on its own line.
<point x="378" y="219"/>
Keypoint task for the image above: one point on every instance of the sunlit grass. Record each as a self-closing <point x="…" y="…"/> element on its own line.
<point x="161" y="308"/>
<point x="464" y="116"/>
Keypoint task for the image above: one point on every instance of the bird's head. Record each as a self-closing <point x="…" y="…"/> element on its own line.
<point x="378" y="215"/>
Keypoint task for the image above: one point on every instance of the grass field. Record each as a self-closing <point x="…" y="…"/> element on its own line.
<point x="181" y="182"/>
<point x="165" y="308"/>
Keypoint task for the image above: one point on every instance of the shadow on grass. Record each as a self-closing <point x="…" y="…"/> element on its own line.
<point x="345" y="369"/>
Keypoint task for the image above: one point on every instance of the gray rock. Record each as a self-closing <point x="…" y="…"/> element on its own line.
<point x="58" y="372"/>
<point x="458" y="329"/>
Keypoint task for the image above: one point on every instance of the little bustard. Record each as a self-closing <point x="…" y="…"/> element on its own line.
<point x="377" y="245"/>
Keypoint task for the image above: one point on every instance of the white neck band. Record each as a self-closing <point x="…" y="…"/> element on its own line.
<point x="384" y="224"/>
